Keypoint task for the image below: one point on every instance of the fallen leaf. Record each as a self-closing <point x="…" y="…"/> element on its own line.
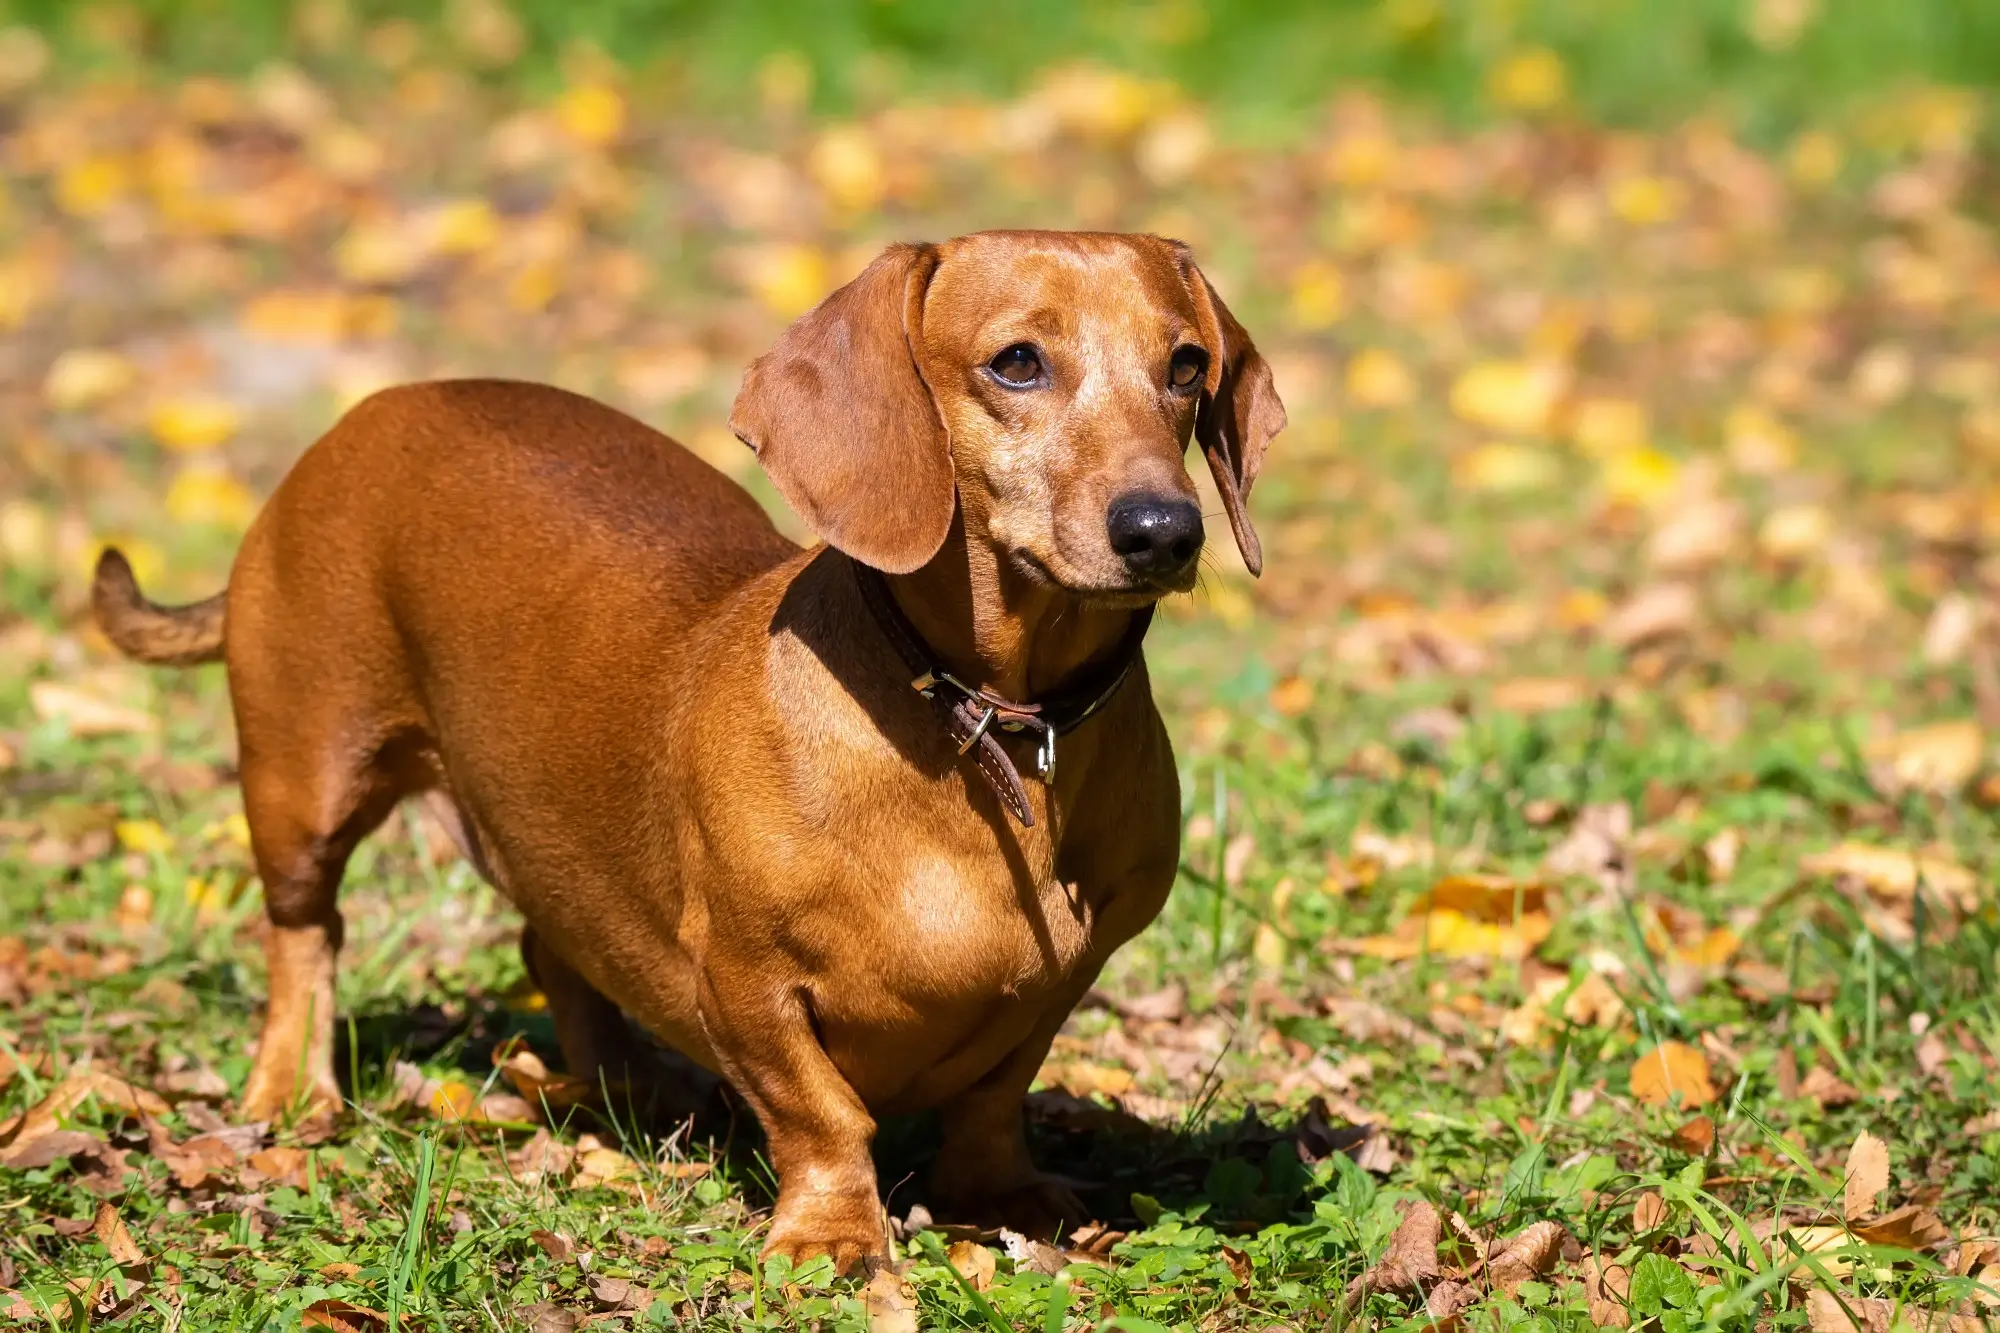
<point x="1825" y="1087"/>
<point x="1446" y="1304"/>
<point x="1892" y="873"/>
<point x="1661" y="611"/>
<point x="343" y="1317"/>
<point x="1672" y="1068"/>
<point x="1411" y="1258"/>
<point x="973" y="1262"/>
<point x="542" y="1155"/>
<point x="1911" y="1227"/>
<point x="1696" y="1137"/>
<point x="1030" y="1255"/>
<point x="554" y="1244"/>
<point x="621" y="1294"/>
<point x="1867" y="1175"/>
<point x="1940" y="758"/>
<point x="113" y="1236"/>
<point x="86" y="713"/>
<point x="548" y="1317"/>
<point x="29" y="1154"/>
<point x="1649" y="1212"/>
<point x="78" y="1087"/>
<point x="890" y="1302"/>
<point x="1528" y="1255"/>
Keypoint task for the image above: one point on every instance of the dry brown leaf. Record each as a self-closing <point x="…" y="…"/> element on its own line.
<point x="1529" y="1255"/>
<point x="1940" y="758"/>
<point x="1411" y="1259"/>
<point x="973" y="1262"/>
<point x="1828" y="1312"/>
<point x="1649" y="1211"/>
<point x="41" y="1150"/>
<point x="542" y="1155"/>
<point x="1669" y="1069"/>
<point x="619" y="1294"/>
<point x="1661" y="611"/>
<point x="1892" y="873"/>
<point x="891" y="1303"/>
<point x="1867" y="1175"/>
<point x="1446" y="1305"/>
<point x="554" y="1244"/>
<point x="1911" y="1227"/>
<point x="112" y="1234"/>
<point x="1825" y="1087"/>
<point x="1696" y="1137"/>
<point x="548" y="1317"/>
<point x="343" y="1317"/>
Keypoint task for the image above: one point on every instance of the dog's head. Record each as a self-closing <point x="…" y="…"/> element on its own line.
<point x="1046" y="383"/>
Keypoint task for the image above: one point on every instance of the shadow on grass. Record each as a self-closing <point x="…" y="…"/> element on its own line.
<point x="1251" y="1169"/>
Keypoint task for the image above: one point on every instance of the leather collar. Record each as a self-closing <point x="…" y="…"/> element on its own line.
<point x="970" y="715"/>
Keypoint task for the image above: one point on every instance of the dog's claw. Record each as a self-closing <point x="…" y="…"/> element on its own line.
<point x="851" y="1236"/>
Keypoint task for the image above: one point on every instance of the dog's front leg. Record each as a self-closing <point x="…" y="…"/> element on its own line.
<point x="817" y="1127"/>
<point x="983" y="1171"/>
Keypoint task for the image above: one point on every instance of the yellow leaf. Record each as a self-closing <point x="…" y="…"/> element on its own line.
<point x="1642" y="476"/>
<point x="592" y="113"/>
<point x="1758" y="444"/>
<point x="1607" y="427"/>
<point x="1292" y="696"/>
<point x="1867" y="1175"/>
<point x="1594" y="1004"/>
<point x="1513" y="397"/>
<point x="210" y="496"/>
<point x="143" y="835"/>
<point x="789" y="279"/>
<point x="1646" y="201"/>
<point x="379" y="252"/>
<point x="1531" y="79"/>
<point x="1890" y="872"/>
<point x="83" y="377"/>
<point x="847" y="165"/>
<point x="1495" y="898"/>
<point x="1815" y="159"/>
<point x="463" y="227"/>
<point x="1377" y="379"/>
<point x="1267" y="948"/>
<point x="453" y="1101"/>
<point x="1457" y="935"/>
<point x="1319" y="295"/>
<point x="1940" y="758"/>
<point x="603" y="1166"/>
<point x="1669" y="1068"/>
<point x="90" y="186"/>
<point x="1505" y="468"/>
<point x="533" y="287"/>
<point x="189" y="425"/>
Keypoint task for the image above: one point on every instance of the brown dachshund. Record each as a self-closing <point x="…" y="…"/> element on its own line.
<point x="692" y="753"/>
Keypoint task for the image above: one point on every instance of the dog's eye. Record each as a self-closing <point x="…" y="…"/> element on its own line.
<point x="1190" y="363"/>
<point x="1018" y="366"/>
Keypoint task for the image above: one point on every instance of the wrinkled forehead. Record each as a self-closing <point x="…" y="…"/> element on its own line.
<point x="999" y="287"/>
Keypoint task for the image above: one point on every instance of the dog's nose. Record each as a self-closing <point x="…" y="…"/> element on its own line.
<point x="1157" y="536"/>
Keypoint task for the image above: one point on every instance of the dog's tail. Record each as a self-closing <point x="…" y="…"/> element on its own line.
<point x="162" y="635"/>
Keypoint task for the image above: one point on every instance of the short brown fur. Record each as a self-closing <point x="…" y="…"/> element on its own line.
<point x="680" y="744"/>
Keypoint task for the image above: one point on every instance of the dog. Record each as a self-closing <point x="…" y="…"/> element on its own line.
<point x="853" y="826"/>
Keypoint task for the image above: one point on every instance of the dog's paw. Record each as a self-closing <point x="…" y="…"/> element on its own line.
<point x="850" y="1232"/>
<point x="1045" y="1207"/>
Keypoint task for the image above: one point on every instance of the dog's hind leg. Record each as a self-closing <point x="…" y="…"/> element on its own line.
<point x="305" y="818"/>
<point x="597" y="1043"/>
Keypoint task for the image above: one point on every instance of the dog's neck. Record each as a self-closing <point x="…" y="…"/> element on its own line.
<point x="998" y="628"/>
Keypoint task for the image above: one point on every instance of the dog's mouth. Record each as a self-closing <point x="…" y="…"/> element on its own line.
<point x="1128" y="594"/>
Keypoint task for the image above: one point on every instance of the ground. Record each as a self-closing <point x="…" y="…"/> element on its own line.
<point x="1586" y="911"/>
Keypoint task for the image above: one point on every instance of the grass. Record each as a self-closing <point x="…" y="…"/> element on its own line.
<point x="1617" y="702"/>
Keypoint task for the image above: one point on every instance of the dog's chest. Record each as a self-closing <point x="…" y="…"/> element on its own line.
<point x="970" y="930"/>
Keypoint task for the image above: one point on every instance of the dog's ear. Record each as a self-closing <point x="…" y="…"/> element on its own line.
<point x="1239" y="411"/>
<point x="844" y="424"/>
